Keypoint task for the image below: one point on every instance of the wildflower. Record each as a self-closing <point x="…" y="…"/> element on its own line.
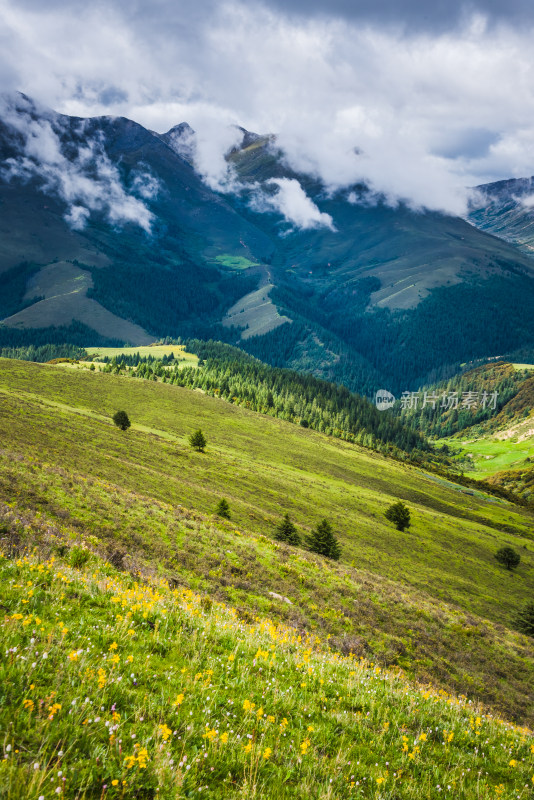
<point x="270" y="718"/>
<point x="28" y="704"/>
<point x="210" y="735"/>
<point x="259" y="713"/>
<point x="223" y="737"/>
<point x="165" y="732"/>
<point x="115" y="658"/>
<point x="512" y="763"/>
<point x="304" y="746"/>
<point x="310" y="728"/>
<point x="115" y="782"/>
<point x="248" y="706"/>
<point x="380" y="781"/>
<point x="267" y="753"/>
<point x="129" y="659"/>
<point x="284" y="724"/>
<point x="248" y="747"/>
<point x="113" y="646"/>
<point x="73" y="656"/>
<point x="131" y="632"/>
<point x="179" y="700"/>
<point x="53" y="710"/>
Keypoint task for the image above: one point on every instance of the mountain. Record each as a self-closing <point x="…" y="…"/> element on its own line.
<point x="108" y="226"/>
<point x="506" y="209"/>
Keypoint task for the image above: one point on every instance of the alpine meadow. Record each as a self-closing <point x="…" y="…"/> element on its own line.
<point x="266" y="400"/>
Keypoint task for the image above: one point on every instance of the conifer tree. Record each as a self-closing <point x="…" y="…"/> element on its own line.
<point x="323" y="541"/>
<point x="197" y="440"/>
<point x="525" y="619"/>
<point x="287" y="532"/>
<point x="223" y="509"/>
<point x="399" y="514"/>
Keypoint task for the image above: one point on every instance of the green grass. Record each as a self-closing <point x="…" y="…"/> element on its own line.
<point x="122" y="688"/>
<point x="154" y="350"/>
<point x="234" y="262"/>
<point x="494" y="455"/>
<point x="432" y="600"/>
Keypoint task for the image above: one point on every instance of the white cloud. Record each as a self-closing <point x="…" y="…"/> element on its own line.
<point x="86" y="181"/>
<point x="292" y="202"/>
<point x="431" y="112"/>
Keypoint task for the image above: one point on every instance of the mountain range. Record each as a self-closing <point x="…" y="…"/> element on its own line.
<point x="110" y="232"/>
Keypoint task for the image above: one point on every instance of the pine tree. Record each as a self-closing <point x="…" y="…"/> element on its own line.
<point x="223" y="509"/>
<point x="287" y="532"/>
<point x="399" y="514"/>
<point x="525" y="619"/>
<point x="120" y="418"/>
<point x="197" y="440"/>
<point x="323" y="541"/>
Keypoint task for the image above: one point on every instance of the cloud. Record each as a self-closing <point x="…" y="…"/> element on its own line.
<point x="85" y="179"/>
<point x="419" y="100"/>
<point x="292" y="202"/>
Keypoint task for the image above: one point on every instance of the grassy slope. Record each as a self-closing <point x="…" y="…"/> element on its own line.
<point x="121" y="690"/>
<point x="61" y="456"/>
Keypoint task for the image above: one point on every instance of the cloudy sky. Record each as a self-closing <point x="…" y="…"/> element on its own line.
<point x="419" y="98"/>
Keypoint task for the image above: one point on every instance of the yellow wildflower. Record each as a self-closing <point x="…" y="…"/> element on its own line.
<point x="165" y="732"/>
<point x="267" y="753"/>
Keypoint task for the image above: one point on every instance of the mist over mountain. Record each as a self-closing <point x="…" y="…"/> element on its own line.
<point x="108" y="226"/>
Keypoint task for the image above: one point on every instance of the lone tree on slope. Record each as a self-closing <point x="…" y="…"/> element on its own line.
<point x="508" y="557"/>
<point x="525" y="619"/>
<point x="197" y="440"/>
<point x="120" y="418"/>
<point x="399" y="514"/>
<point x="223" y="509"/>
<point x="287" y="532"/>
<point x="323" y="541"/>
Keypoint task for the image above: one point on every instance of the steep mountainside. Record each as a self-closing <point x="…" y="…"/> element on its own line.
<point x="506" y="209"/>
<point x="107" y="225"/>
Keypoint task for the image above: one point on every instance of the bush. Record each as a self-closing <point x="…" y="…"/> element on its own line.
<point x="508" y="557"/>
<point x="323" y="541"/>
<point x="120" y="418"/>
<point x="399" y="514"/>
<point x="223" y="509"/>
<point x="79" y="556"/>
<point x="287" y="532"/>
<point x="524" y="622"/>
<point x="197" y="440"/>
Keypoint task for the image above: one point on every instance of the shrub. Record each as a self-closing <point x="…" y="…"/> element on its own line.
<point x="197" y="440"/>
<point x="287" y="532"/>
<point x="508" y="557"/>
<point x="323" y="541"/>
<point x="399" y="514"/>
<point x="120" y="418"/>
<point x="223" y="509"/>
<point x="79" y="556"/>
